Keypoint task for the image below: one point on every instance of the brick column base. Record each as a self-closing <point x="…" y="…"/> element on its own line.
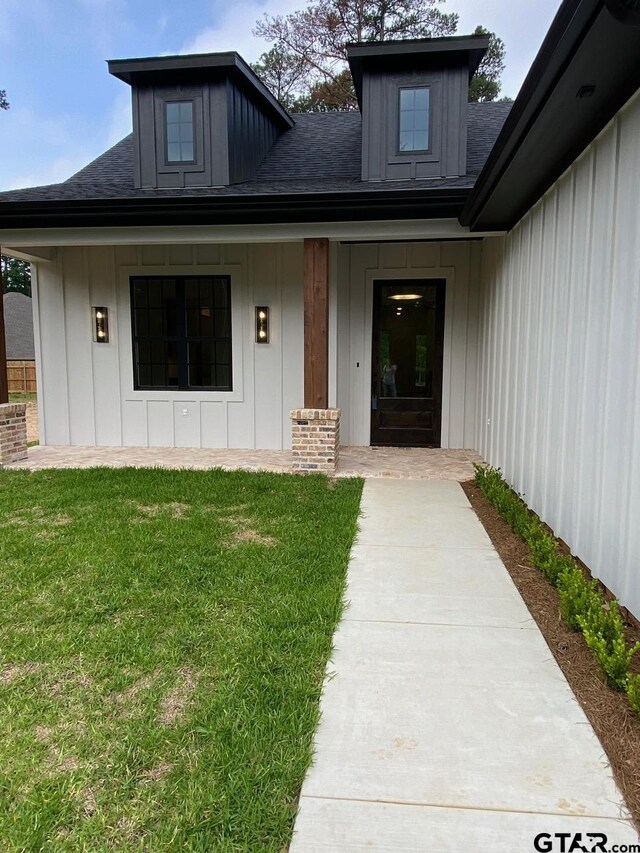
<point x="315" y="435"/>
<point x="13" y="432"/>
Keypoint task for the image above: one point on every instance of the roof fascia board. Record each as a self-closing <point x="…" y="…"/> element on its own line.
<point x="129" y="70"/>
<point x="469" y="49"/>
<point x="403" y="230"/>
<point x="205" y="210"/>
<point x="444" y="44"/>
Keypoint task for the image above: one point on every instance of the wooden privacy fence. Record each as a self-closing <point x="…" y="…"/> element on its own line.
<point x="21" y="376"/>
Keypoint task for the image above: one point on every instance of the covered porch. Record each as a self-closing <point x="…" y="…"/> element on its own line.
<point x="310" y="391"/>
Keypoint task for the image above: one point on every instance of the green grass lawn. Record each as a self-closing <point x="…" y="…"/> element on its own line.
<point x="163" y="636"/>
<point x="23" y="397"/>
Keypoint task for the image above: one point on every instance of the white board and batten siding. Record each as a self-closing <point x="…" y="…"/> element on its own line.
<point x="88" y="396"/>
<point x="559" y="356"/>
<point x="87" y="389"/>
<point x="360" y="265"/>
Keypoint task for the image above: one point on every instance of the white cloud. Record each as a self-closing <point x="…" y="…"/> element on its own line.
<point x="48" y="173"/>
<point x="233" y="31"/>
<point x="521" y="24"/>
<point x="48" y="149"/>
<point x="120" y="117"/>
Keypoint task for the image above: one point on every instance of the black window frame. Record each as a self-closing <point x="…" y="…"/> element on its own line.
<point x="414" y="151"/>
<point x="165" y="127"/>
<point x="181" y="338"/>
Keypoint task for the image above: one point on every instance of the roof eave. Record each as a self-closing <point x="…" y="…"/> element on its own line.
<point x="533" y="148"/>
<point x="468" y="50"/>
<point x="180" y="210"/>
<point x="138" y="71"/>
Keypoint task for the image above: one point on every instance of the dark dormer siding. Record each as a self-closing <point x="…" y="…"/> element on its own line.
<point x="447" y="154"/>
<point x="233" y="117"/>
<point x="251" y="135"/>
<point x="151" y="168"/>
<point x="382" y="72"/>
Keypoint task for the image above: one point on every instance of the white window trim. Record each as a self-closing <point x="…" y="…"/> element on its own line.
<point x="360" y="403"/>
<point x="240" y="328"/>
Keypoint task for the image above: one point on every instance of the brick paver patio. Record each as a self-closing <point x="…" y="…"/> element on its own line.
<point x="396" y="462"/>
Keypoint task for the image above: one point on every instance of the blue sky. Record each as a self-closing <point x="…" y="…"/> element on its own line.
<point x="66" y="109"/>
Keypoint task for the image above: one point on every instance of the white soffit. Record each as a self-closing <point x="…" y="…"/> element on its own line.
<point x="406" y="229"/>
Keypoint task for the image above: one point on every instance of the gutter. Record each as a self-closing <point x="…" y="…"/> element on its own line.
<point x="234" y="210"/>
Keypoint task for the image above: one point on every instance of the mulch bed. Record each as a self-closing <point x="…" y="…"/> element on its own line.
<point x="614" y="721"/>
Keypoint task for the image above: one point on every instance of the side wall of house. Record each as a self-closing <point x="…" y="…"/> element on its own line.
<point x="559" y="356"/>
<point x="459" y="262"/>
<point x="87" y="388"/>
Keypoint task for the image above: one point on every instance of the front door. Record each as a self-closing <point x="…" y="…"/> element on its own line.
<point x="408" y="341"/>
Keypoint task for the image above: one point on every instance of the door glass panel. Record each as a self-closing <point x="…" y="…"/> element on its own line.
<point x="407" y="362"/>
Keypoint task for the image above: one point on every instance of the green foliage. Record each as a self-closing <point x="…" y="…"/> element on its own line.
<point x="633" y="692"/>
<point x="582" y="604"/>
<point x="543" y="555"/>
<point x="604" y="634"/>
<point x="4" y="103"/>
<point x="16" y="275"/>
<point x="577" y="596"/>
<point x="485" y="84"/>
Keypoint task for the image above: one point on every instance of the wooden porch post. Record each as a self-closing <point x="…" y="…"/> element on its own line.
<point x="4" y="380"/>
<point x="316" y="323"/>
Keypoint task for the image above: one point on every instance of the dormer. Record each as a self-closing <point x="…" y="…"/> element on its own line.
<point x="413" y="97"/>
<point x="204" y="120"/>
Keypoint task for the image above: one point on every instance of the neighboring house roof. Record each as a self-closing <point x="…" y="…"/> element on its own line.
<point x="321" y="153"/>
<point x="18" y="325"/>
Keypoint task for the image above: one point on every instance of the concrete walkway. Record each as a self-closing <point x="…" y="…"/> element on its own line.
<point x="446" y="724"/>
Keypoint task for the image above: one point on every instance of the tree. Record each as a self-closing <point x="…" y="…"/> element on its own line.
<point x="16" y="275"/>
<point x="318" y="35"/>
<point x="281" y="72"/>
<point x="485" y="85"/>
<point x="328" y="95"/>
<point x="311" y="46"/>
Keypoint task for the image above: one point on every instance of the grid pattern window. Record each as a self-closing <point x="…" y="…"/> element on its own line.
<point x="182" y="333"/>
<point x="414" y="119"/>
<point x="179" y="131"/>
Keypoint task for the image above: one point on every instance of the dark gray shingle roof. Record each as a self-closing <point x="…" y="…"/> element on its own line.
<point x="18" y="325"/>
<point x="320" y="154"/>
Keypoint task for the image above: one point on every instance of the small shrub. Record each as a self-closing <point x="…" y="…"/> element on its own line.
<point x="577" y="596"/>
<point x="633" y="692"/>
<point x="543" y="555"/>
<point x="510" y="505"/>
<point x="604" y="634"/>
<point x="581" y="603"/>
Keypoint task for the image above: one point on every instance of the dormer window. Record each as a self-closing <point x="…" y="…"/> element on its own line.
<point x="179" y="132"/>
<point x="414" y="124"/>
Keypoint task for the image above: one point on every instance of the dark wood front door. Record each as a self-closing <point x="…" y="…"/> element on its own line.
<point x="408" y="342"/>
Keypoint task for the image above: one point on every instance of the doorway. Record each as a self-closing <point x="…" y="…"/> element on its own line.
<point x="407" y="357"/>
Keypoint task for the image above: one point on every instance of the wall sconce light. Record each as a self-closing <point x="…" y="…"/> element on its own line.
<point x="262" y="324"/>
<point x="100" y="316"/>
